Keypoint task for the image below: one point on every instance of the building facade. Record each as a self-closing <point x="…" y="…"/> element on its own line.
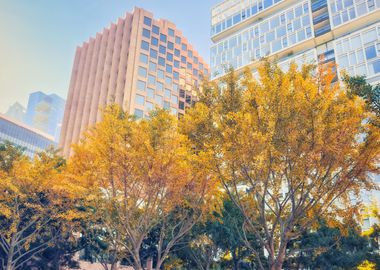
<point x="346" y="32"/>
<point x="32" y="140"/>
<point x="16" y="112"/>
<point x="137" y="62"/>
<point x="45" y="113"/>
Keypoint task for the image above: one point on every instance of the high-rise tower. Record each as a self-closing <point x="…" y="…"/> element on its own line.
<point x="139" y="63"/>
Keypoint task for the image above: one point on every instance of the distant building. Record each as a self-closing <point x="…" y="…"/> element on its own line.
<point x="16" y="111"/>
<point x="45" y="112"/>
<point x="138" y="62"/>
<point x="32" y="140"/>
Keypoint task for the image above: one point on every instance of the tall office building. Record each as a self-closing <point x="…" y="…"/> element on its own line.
<point x="30" y="139"/>
<point x="16" y="111"/>
<point x="137" y="62"/>
<point x="45" y="112"/>
<point x="346" y="32"/>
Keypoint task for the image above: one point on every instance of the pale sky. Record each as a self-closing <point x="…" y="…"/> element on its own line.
<point x="38" y="37"/>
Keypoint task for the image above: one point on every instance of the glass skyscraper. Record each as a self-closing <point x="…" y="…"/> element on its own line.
<point x="45" y="112"/>
<point x="346" y="32"/>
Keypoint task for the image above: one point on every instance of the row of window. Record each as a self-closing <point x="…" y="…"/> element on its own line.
<point x="264" y="38"/>
<point x="255" y="8"/>
<point x="343" y="11"/>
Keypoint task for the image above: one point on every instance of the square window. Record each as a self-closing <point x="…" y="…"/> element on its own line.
<point x="150" y="92"/>
<point x="177" y="40"/>
<point x="370" y="52"/>
<point x="146" y="33"/>
<point x="161" y="61"/>
<point x="184" y="47"/>
<point x="156" y="29"/>
<point x="141" y="85"/>
<point x="147" y="21"/>
<point x="140" y="99"/>
<point x="177" y="52"/>
<point x="159" y="100"/>
<point x="376" y="66"/>
<point x="183" y="59"/>
<point x="174" y="99"/>
<point x="176" y="64"/>
<point x="162" y="49"/>
<point x="169" y="68"/>
<point x="143" y="58"/>
<point x="166" y="105"/>
<point x="149" y="106"/>
<point x="153" y="53"/>
<point x="171" y="32"/>
<point x="170" y="45"/>
<point x="167" y="93"/>
<point x="154" y="41"/>
<point x="139" y="114"/>
<point x="169" y="57"/>
<point x="160" y="86"/>
<point x="176" y="75"/>
<point x="168" y="80"/>
<point x="142" y="72"/>
<point x="144" y="45"/>
<point x="152" y="79"/>
<point x="160" y="74"/>
<point x="152" y="66"/>
<point x="163" y="38"/>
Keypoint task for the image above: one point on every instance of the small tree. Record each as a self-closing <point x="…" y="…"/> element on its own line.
<point x="142" y="176"/>
<point x="288" y="148"/>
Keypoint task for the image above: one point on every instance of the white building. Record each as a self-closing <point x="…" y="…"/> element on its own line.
<point x="346" y="32"/>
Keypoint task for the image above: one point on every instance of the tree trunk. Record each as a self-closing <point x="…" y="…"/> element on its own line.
<point x="11" y="253"/>
<point x="279" y="261"/>
<point x="114" y="266"/>
<point x="149" y="264"/>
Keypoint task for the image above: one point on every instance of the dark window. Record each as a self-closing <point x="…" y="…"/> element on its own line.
<point x="177" y="52"/>
<point x="181" y="105"/>
<point x="170" y="45"/>
<point x="145" y="45"/>
<point x="146" y="33"/>
<point x="147" y="21"/>
<point x="161" y="61"/>
<point x="156" y="29"/>
<point x="370" y="52"/>
<point x="153" y="53"/>
<point x="154" y="41"/>
<point x="163" y="38"/>
<point x="162" y="49"/>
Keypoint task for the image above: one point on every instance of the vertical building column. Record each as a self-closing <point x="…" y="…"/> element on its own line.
<point x="69" y="102"/>
<point x="106" y="72"/>
<point x="90" y="86"/>
<point x="98" y="78"/>
<point x="74" y="106"/>
<point x="83" y="90"/>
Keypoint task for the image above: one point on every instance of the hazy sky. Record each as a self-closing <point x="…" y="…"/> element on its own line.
<point x="38" y="37"/>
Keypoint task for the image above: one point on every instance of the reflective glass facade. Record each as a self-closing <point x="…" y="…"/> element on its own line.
<point x="275" y="33"/>
<point x="19" y="134"/>
<point x="345" y="32"/>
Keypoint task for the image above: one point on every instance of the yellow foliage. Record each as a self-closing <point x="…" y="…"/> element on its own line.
<point x="366" y="265"/>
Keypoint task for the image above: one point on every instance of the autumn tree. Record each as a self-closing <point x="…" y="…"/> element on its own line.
<point x="32" y="205"/>
<point x="142" y="176"/>
<point x="288" y="147"/>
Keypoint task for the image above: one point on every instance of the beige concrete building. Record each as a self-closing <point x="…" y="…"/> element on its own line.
<point x="137" y="62"/>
